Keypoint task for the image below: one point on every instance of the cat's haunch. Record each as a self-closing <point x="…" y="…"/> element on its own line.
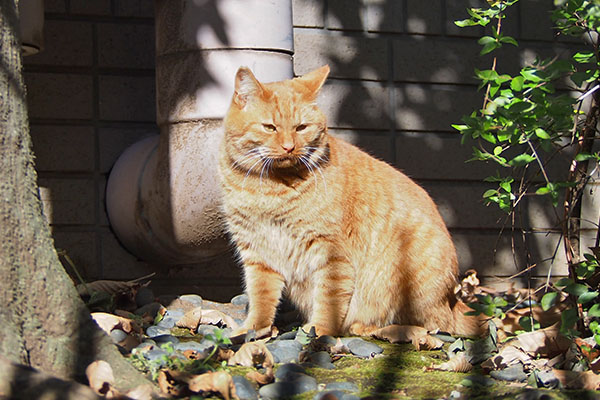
<point x="353" y="242"/>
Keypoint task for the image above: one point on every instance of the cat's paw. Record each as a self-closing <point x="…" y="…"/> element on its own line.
<point x="320" y="330"/>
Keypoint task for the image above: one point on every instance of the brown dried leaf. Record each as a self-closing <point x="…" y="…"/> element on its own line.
<point x="216" y="382"/>
<point x="261" y="379"/>
<point x="190" y="319"/>
<point x="142" y="392"/>
<point x="458" y="363"/>
<point x="198" y="316"/>
<point x="339" y="348"/>
<point x="101" y="379"/>
<point x="107" y="322"/>
<point x="547" y="342"/>
<point x="507" y="356"/>
<point x="510" y="323"/>
<point x="168" y="384"/>
<point x="251" y="354"/>
<point x="416" y="335"/>
<point x="587" y="380"/>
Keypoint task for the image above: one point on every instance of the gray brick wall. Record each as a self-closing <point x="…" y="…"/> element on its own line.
<point x="402" y="72"/>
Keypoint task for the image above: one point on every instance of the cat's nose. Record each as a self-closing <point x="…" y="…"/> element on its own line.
<point x="288" y="147"/>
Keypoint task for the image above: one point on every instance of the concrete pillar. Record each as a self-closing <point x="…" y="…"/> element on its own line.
<point x="163" y="194"/>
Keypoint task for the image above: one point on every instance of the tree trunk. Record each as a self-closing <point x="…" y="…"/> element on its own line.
<point x="45" y="324"/>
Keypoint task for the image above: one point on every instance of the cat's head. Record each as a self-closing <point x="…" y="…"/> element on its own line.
<point x="278" y="124"/>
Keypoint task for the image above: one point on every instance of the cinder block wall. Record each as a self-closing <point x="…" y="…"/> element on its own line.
<point x="402" y="72"/>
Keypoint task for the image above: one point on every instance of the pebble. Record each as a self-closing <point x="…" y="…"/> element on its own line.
<point x="240" y="300"/>
<point x="284" y="351"/>
<point x="299" y="384"/>
<point x="511" y="374"/>
<point x="150" y="309"/>
<point x="321" y="359"/>
<point x="155" y="330"/>
<point x="194" y="299"/>
<point x="192" y="345"/>
<point x="477" y="380"/>
<point x="286" y="369"/>
<point x="170" y="318"/>
<point x="161" y="339"/>
<point x="154" y="354"/>
<point x="327" y="340"/>
<point x="291" y="335"/>
<point x="547" y="379"/>
<point x="144" y="296"/>
<point x="455" y="394"/>
<point x="244" y="389"/>
<point x="362" y="348"/>
<point x="343" y="386"/>
<point x="117" y="335"/>
<point x="329" y="395"/>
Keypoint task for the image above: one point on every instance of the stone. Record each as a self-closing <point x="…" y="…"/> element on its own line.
<point x="284" y="370"/>
<point x="117" y="335"/>
<point x="162" y="339"/>
<point x="151" y="309"/>
<point x="170" y="318"/>
<point x="513" y="373"/>
<point x="144" y="296"/>
<point x="193" y="345"/>
<point x="287" y="335"/>
<point x="285" y="351"/>
<point x="154" y="330"/>
<point x="321" y="359"/>
<point x="547" y="379"/>
<point x="343" y="386"/>
<point x="476" y="380"/>
<point x="362" y="348"/>
<point x="240" y="300"/>
<point x="326" y="340"/>
<point x="244" y="389"/>
<point x="300" y="383"/>
<point x="155" y="354"/>
<point x="329" y="395"/>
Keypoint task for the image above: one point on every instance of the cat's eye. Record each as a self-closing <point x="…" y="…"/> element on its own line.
<point x="301" y="127"/>
<point x="269" y="127"/>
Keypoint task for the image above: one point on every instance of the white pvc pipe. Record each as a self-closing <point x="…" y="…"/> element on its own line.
<point x="163" y="195"/>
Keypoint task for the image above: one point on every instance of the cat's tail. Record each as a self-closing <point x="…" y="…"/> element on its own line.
<point x="468" y="325"/>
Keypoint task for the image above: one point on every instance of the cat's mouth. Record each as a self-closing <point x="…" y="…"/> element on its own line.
<point x="285" y="160"/>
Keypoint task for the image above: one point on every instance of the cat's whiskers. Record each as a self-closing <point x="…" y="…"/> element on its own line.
<point x="312" y="165"/>
<point x="249" y="155"/>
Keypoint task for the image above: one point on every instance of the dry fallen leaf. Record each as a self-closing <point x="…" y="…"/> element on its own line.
<point x="547" y="342"/>
<point x="261" y="379"/>
<point x="101" y="379"/>
<point x="578" y="380"/>
<point x="142" y="392"/>
<point x="217" y="382"/>
<point x="339" y="348"/>
<point x="198" y="316"/>
<point x="251" y="354"/>
<point x="507" y="356"/>
<point x="458" y="363"/>
<point x="107" y="322"/>
<point x="510" y="323"/>
<point x="416" y="335"/>
<point x="169" y="384"/>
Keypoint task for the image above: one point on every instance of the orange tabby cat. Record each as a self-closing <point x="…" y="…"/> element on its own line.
<point x="355" y="244"/>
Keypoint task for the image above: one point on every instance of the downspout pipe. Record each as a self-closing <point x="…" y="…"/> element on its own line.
<point x="163" y="193"/>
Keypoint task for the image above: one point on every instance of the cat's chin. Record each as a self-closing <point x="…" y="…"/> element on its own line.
<point x="285" y="162"/>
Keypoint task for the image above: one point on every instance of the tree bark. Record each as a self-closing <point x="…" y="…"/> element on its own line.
<point x="45" y="324"/>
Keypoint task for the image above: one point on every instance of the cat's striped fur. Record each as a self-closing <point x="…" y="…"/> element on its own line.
<point x="356" y="244"/>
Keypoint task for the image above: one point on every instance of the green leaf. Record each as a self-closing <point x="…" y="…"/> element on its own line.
<point x="542" y="134"/>
<point x="563" y="282"/>
<point x="488" y="48"/>
<point x="587" y="297"/>
<point x="584" y="157"/>
<point x="517" y="83"/>
<point x="584" y="57"/>
<point x="486" y="40"/>
<point x="490" y="193"/>
<point x="548" y="300"/>
<point x="509" y="40"/>
<point x="568" y="319"/>
<point x="576" y="289"/>
<point x="594" y="311"/>
<point x="520" y="160"/>
<point x="465" y="22"/>
<point x="519" y="107"/>
<point x="487" y="74"/>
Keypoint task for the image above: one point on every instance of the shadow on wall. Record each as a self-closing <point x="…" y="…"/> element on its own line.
<point x="401" y="74"/>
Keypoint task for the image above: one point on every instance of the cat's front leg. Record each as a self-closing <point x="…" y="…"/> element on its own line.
<point x="333" y="286"/>
<point x="263" y="287"/>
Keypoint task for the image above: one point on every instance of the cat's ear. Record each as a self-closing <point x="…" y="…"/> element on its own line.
<point x="246" y="86"/>
<point x="314" y="80"/>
